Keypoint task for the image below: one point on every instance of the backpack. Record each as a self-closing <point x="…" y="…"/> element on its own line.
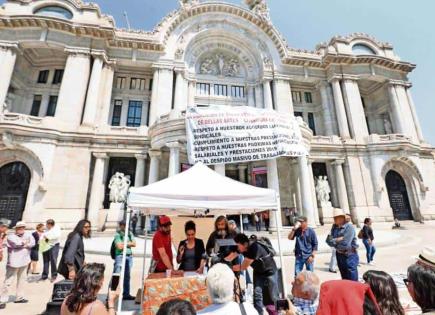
<point x="267" y="245"/>
<point x="113" y="250"/>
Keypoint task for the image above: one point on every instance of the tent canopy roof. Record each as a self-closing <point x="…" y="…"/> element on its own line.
<point x="200" y="188"/>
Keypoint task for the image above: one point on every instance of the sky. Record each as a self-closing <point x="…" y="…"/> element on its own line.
<point x="408" y="25"/>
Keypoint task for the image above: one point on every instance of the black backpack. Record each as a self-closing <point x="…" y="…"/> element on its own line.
<point x="267" y="245"/>
<point x="113" y="250"/>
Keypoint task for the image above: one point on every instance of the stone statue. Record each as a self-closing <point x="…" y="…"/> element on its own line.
<point x="260" y="8"/>
<point x="323" y="190"/>
<point x="221" y="63"/>
<point x="233" y="68"/>
<point x="187" y="3"/>
<point x="387" y="126"/>
<point x="119" y="185"/>
<point x="208" y="66"/>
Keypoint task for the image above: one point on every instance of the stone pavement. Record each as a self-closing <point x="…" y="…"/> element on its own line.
<point x="394" y="257"/>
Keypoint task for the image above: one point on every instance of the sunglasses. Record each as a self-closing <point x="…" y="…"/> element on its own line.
<point x="406" y="281"/>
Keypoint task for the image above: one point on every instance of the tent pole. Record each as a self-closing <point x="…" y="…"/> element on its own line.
<point x="124" y="258"/>
<point x="241" y="223"/>
<point x="143" y="265"/>
<point x="281" y="254"/>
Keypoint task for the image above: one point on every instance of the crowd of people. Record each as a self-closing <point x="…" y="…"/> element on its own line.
<point x="224" y="259"/>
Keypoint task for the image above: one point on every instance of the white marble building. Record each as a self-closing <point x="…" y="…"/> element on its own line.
<point x="84" y="99"/>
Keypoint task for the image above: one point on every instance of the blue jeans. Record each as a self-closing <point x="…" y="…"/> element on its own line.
<point x="348" y="266"/>
<point x="266" y="293"/>
<point x="370" y="250"/>
<point x="128" y="266"/>
<point x="299" y="265"/>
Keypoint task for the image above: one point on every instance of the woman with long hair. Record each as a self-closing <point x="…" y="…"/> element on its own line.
<point x="73" y="255"/>
<point x="385" y="291"/>
<point x="191" y="251"/>
<point x="34" y="252"/>
<point x="82" y="299"/>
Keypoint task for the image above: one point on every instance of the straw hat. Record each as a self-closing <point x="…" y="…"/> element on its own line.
<point x="20" y="224"/>
<point x="338" y="212"/>
<point x="427" y="257"/>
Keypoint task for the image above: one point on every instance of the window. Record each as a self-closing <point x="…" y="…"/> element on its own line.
<point x="298" y="114"/>
<point x="55" y="11"/>
<point x="43" y="76"/>
<point x="137" y="84"/>
<point x="117" y="110"/>
<point x="311" y="123"/>
<point x="220" y="90"/>
<point x="134" y="113"/>
<point x="238" y="91"/>
<point x="308" y="97"/>
<point x="51" y="108"/>
<point x="58" y="75"/>
<point x="361" y="49"/>
<point x="296" y="97"/>
<point x="150" y="85"/>
<point x="120" y="82"/>
<point x="36" y="105"/>
<point x="203" y="89"/>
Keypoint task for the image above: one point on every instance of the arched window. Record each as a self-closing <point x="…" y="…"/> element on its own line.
<point x="55" y="11"/>
<point x="361" y="49"/>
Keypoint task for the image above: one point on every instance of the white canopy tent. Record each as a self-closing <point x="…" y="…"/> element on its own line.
<point x="200" y="188"/>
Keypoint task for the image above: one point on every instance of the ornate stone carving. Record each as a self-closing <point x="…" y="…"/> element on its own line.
<point x="187" y="4"/>
<point x="260" y="8"/>
<point x="179" y="53"/>
<point x="119" y="185"/>
<point x="220" y="64"/>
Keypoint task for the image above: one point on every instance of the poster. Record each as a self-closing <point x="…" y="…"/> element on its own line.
<point x="225" y="134"/>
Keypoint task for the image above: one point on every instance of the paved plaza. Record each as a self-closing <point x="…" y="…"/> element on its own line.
<point x="397" y="249"/>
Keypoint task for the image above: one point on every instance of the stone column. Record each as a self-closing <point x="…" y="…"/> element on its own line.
<point x="273" y="183"/>
<point x="326" y="109"/>
<point x="93" y="91"/>
<point x="251" y="96"/>
<point x="313" y="192"/>
<point x="398" y="124"/>
<point x="355" y="109"/>
<point x="306" y="191"/>
<point x="259" y="96"/>
<point x="153" y="175"/>
<point x="220" y="168"/>
<point x="161" y="98"/>
<point x="242" y="172"/>
<point x="192" y="93"/>
<point x="97" y="188"/>
<point x="108" y="74"/>
<point x="341" y="185"/>
<point x="405" y="112"/>
<point x="283" y="96"/>
<point x="72" y="91"/>
<point x="8" y="56"/>
<point x="414" y="115"/>
<point x="268" y="102"/>
<point x="174" y="158"/>
<point x="139" y="176"/>
<point x="179" y="97"/>
<point x="340" y="109"/>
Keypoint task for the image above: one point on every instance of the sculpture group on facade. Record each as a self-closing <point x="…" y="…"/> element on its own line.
<point x="220" y="65"/>
<point x="323" y="190"/>
<point x="119" y="185"/>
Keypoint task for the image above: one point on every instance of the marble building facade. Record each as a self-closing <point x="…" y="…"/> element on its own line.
<point x="82" y="99"/>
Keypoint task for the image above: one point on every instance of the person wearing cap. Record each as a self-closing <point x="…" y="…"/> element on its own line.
<point x="19" y="245"/>
<point x="421" y="281"/>
<point x="343" y="238"/>
<point x="119" y="248"/>
<point x="305" y="245"/>
<point x="162" y="246"/>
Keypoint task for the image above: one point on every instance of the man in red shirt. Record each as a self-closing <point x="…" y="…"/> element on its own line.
<point x="162" y="245"/>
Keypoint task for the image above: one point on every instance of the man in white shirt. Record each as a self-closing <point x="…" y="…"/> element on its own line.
<point x="52" y="237"/>
<point x="220" y="285"/>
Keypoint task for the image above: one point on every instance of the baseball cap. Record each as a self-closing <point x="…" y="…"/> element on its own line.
<point x="302" y="219"/>
<point x="165" y="220"/>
